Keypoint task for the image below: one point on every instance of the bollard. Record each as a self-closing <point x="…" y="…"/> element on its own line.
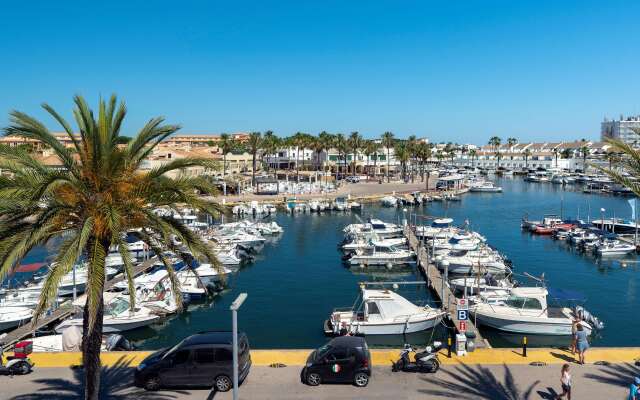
<point x="524" y="346"/>
<point x="449" y="346"/>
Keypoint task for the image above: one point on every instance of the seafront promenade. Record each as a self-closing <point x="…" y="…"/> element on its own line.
<point x="485" y="374"/>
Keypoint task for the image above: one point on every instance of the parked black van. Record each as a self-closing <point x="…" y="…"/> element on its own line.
<point x="344" y="359"/>
<point x="201" y="360"/>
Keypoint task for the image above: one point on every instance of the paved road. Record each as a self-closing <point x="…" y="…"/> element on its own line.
<point x="471" y="382"/>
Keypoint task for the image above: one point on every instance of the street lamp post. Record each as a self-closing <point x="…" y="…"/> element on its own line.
<point x="234" y="316"/>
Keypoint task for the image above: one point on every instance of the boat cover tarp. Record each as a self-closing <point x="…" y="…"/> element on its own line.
<point x="71" y="338"/>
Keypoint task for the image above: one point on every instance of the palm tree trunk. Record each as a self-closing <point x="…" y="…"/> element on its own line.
<point x="253" y="172"/>
<point x="388" y="164"/>
<point x="375" y="166"/>
<point x="297" y="164"/>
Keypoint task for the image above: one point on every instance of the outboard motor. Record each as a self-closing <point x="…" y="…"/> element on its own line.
<point x="588" y="317"/>
<point x="118" y="343"/>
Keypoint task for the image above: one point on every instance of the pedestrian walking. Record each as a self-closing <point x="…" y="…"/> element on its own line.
<point x="634" y="389"/>
<point x="565" y="381"/>
<point x="582" y="343"/>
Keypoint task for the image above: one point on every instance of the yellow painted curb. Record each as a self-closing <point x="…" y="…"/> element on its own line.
<point x="378" y="357"/>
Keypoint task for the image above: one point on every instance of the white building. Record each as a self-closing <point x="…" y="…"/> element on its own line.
<point x="622" y="129"/>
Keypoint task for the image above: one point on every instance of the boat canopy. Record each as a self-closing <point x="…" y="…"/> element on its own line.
<point x="388" y="304"/>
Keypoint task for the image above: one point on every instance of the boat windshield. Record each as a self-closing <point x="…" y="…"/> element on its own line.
<point x="523" y="302"/>
<point x="118" y="306"/>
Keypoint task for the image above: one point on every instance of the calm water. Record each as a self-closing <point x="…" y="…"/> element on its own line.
<point x="299" y="278"/>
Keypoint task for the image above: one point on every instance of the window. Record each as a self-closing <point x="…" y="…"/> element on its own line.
<point x="340" y="353"/>
<point x="372" y="308"/>
<point x="204" y="356"/>
<point x="524" y="302"/>
<point x="181" y="357"/>
<point x="224" y="355"/>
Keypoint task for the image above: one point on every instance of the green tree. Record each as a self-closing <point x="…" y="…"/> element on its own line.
<point x="412" y="148"/>
<point x="401" y="152"/>
<point x="325" y="141"/>
<point x="299" y="141"/>
<point x="99" y="195"/>
<point x="512" y="142"/>
<point x="371" y="150"/>
<point x="495" y="142"/>
<point x="226" y="144"/>
<point x="473" y="153"/>
<point x="388" y="141"/>
<point x="628" y="170"/>
<point x="424" y="154"/>
<point x="355" y="144"/>
<point x="584" y="151"/>
<point x="254" y="145"/>
<point x="270" y="144"/>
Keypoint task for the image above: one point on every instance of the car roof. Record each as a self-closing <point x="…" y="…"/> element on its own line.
<point x="214" y="337"/>
<point x="348" y="341"/>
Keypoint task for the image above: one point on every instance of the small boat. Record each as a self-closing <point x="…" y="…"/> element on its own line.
<point x="380" y="254"/>
<point x="484" y="284"/>
<point x="12" y="317"/>
<point x="614" y="248"/>
<point x="486" y="186"/>
<point x="383" y="312"/>
<point x="118" y="316"/>
<point x="389" y="201"/>
<point x="525" y="311"/>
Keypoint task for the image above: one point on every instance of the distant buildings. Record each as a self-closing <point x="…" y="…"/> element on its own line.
<point x="622" y="129"/>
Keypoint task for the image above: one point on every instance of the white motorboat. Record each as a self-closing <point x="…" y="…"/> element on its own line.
<point x="482" y="284"/>
<point x="12" y="317"/>
<point x="614" y="248"/>
<point x="525" y="311"/>
<point x="473" y="262"/>
<point x="381" y="255"/>
<point x="383" y="312"/>
<point x="66" y="285"/>
<point x="368" y="242"/>
<point x="389" y="201"/>
<point x="532" y="178"/>
<point x="380" y="228"/>
<point x="118" y="317"/>
<point x="485" y="186"/>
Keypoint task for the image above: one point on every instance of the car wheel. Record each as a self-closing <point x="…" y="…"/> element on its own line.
<point x="361" y="379"/>
<point x="152" y="383"/>
<point x="223" y="383"/>
<point x="313" y="379"/>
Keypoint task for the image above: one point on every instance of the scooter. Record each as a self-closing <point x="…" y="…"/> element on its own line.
<point x="425" y="361"/>
<point x="19" y="363"/>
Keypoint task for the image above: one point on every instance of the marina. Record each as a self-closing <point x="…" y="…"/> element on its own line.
<point x="305" y="252"/>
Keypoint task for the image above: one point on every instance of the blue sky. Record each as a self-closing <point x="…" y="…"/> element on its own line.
<point x="451" y="71"/>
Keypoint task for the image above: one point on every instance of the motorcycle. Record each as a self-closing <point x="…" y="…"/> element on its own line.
<point x="424" y="361"/>
<point x="19" y="363"/>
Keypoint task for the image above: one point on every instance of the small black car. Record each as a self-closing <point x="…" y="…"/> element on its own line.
<point x="201" y="360"/>
<point x="343" y="359"/>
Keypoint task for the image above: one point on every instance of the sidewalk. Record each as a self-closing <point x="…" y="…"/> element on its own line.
<point x="463" y="381"/>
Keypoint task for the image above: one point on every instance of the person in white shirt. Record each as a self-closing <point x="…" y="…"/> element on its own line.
<point x="565" y="381"/>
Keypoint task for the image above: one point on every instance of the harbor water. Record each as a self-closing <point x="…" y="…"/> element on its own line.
<point x="298" y="278"/>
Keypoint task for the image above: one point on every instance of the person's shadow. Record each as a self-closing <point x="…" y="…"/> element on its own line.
<point x="478" y="382"/>
<point x="116" y="383"/>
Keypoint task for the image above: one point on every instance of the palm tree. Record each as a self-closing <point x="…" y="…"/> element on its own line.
<point x="629" y="165"/>
<point x="270" y="145"/>
<point x="495" y="143"/>
<point x="527" y="154"/>
<point x="340" y="143"/>
<point x="326" y="141"/>
<point x="355" y="143"/>
<point x="412" y="143"/>
<point x="254" y="144"/>
<point x="584" y="150"/>
<point x="371" y="149"/>
<point x="298" y="141"/>
<point x="473" y="153"/>
<point x="401" y="152"/>
<point x="555" y="154"/>
<point x="424" y="154"/>
<point x="91" y="203"/>
<point x="388" y="141"/>
<point x="226" y="144"/>
<point x="512" y="142"/>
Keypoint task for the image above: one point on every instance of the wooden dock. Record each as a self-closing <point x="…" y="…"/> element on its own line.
<point x="440" y="288"/>
<point x="66" y="309"/>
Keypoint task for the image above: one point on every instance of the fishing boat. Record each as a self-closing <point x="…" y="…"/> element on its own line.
<point x="525" y="311"/>
<point x="382" y="312"/>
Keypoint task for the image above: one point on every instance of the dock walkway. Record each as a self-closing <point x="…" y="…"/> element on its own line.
<point x="66" y="309"/>
<point x="440" y="288"/>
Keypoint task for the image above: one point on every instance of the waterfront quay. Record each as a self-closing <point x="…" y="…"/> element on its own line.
<point x="486" y="374"/>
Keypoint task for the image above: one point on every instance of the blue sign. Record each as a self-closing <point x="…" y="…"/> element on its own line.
<point x="463" y="315"/>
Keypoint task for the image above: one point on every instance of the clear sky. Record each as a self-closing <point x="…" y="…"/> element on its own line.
<point x="449" y="70"/>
